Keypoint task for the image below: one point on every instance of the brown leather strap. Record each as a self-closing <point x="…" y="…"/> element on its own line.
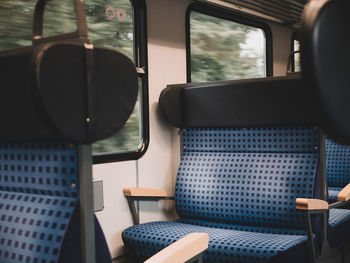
<point x="90" y="88"/>
<point x="82" y="31"/>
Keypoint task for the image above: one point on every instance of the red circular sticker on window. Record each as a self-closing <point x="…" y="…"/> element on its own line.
<point x="110" y="13"/>
<point x="121" y="14"/>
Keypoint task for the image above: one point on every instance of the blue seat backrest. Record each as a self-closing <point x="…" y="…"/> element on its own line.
<point x="247" y="176"/>
<point x="39" y="191"/>
<point x="338" y="164"/>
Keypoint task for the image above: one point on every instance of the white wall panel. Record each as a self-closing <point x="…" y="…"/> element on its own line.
<point x="282" y="38"/>
<point x="167" y="65"/>
<point x="115" y="216"/>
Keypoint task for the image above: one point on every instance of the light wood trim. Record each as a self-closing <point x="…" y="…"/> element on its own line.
<point x="344" y="194"/>
<point x="137" y="191"/>
<point x="182" y="250"/>
<point x="311" y="204"/>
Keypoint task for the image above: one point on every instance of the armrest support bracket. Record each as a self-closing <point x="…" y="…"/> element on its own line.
<point x="314" y="207"/>
<point x="339" y="204"/>
<point x="143" y="194"/>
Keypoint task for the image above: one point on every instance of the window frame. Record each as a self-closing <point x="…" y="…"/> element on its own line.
<point x="295" y="37"/>
<point x="230" y="15"/>
<point x="141" y="61"/>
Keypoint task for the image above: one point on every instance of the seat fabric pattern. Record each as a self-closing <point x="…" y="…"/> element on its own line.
<point x="247" y="176"/>
<point x="338" y="227"/>
<point x="38" y="193"/>
<point x="292" y="139"/>
<point x="258" y="189"/>
<point x="333" y="194"/>
<point x="338" y="164"/>
<point x="224" y="246"/>
<point x="265" y="230"/>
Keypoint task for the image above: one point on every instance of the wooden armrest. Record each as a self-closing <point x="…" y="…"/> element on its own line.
<point x="344" y="194"/>
<point x="182" y="250"/>
<point x="311" y="204"/>
<point x="137" y="191"/>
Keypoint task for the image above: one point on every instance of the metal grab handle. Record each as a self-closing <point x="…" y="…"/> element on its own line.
<point x="82" y="31"/>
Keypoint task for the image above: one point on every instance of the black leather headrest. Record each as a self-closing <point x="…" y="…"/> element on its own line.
<point x="251" y="102"/>
<point x="325" y="58"/>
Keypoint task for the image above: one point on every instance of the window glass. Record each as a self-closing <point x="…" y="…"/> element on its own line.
<point x="297" y="67"/>
<point x="15" y="23"/>
<point x="225" y="50"/>
<point x="59" y="18"/>
<point x="110" y="24"/>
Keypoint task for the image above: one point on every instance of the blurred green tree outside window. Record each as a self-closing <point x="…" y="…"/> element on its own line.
<point x="225" y="50"/>
<point x="105" y="30"/>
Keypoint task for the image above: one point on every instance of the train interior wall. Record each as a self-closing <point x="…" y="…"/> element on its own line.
<point x="158" y="167"/>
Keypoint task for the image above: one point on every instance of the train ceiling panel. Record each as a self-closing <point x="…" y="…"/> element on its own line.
<point x="283" y="11"/>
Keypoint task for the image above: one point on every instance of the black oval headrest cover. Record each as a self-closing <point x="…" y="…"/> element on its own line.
<point x="61" y="83"/>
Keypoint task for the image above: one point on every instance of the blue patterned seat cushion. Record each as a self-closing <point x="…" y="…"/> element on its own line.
<point x="333" y="194"/>
<point x="256" y="229"/>
<point x="225" y="246"/>
<point x="338" y="227"/>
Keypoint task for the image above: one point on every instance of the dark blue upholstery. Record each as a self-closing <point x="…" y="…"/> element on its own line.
<point x="224" y="246"/>
<point x="252" y="140"/>
<point x="240" y="186"/>
<point x="338" y="168"/>
<point x="250" y="176"/>
<point x="37" y="199"/>
<point x="256" y="229"/>
<point x="338" y="227"/>
<point x="338" y="176"/>
<point x="39" y="192"/>
<point x="245" y="188"/>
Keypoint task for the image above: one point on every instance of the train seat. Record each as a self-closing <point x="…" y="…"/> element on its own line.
<point x="338" y="168"/>
<point x="239" y="186"/>
<point x="337" y="159"/>
<point x="39" y="211"/>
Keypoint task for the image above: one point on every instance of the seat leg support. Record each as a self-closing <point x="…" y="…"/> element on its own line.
<point x="310" y="239"/>
<point x="133" y="211"/>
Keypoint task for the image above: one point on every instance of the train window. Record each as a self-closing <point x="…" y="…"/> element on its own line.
<point x="222" y="46"/>
<point x="115" y="24"/>
<point x="112" y="26"/>
<point x="296" y="58"/>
